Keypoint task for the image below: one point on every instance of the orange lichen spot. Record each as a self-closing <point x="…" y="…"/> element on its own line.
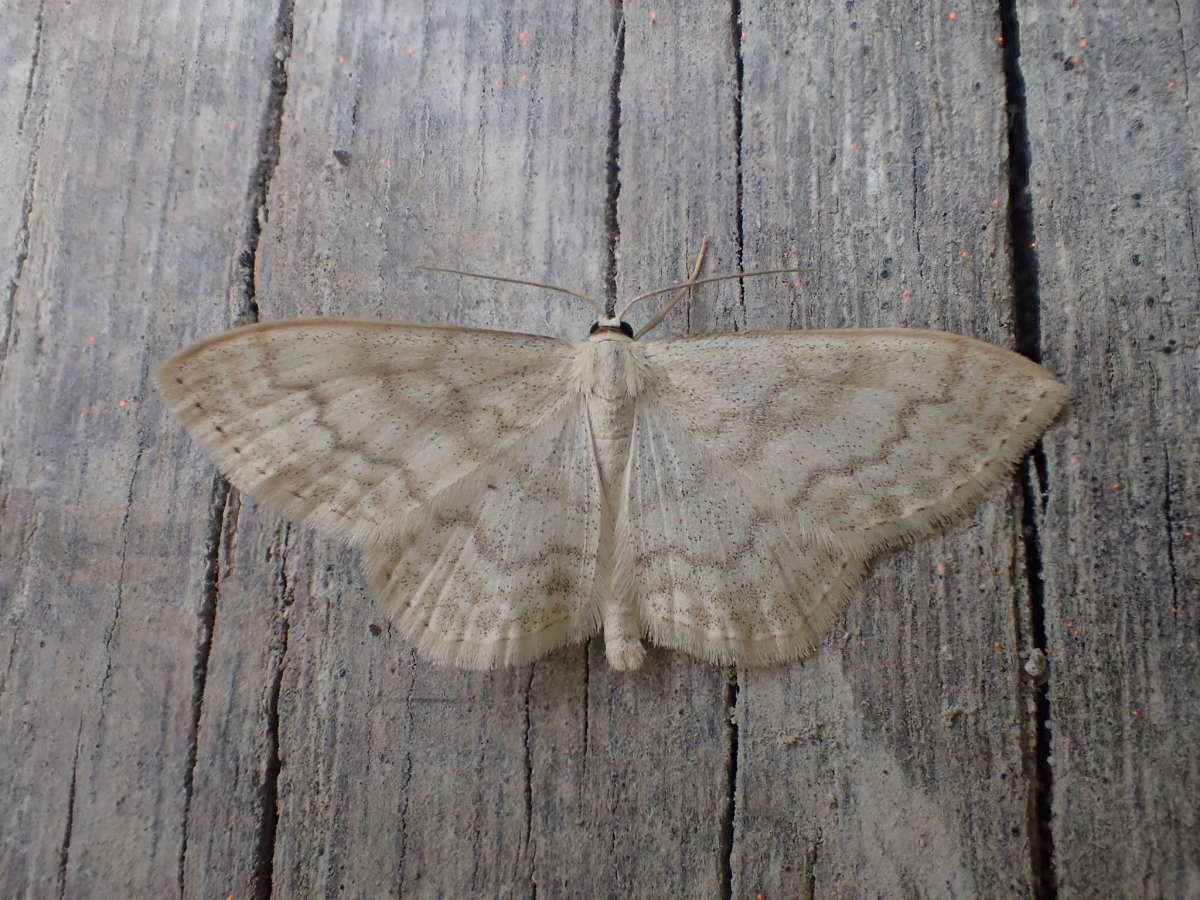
<point x="1083" y="43"/>
<point x="123" y="403"/>
<point x="998" y="645"/>
<point x="941" y="570"/>
<point x="341" y="59"/>
<point x="82" y="414"/>
<point x="760" y="897"/>
<point x="616" y="237"/>
<point x="1077" y="633"/>
<point x="745" y="34"/>
<point x="1000" y="39"/>
<point x="1000" y="571"/>
<point x="854" y="146"/>
<point x="523" y="36"/>
<point x="1137" y="713"/>
<point x="1077" y="60"/>
<point x="524" y="77"/>
<point x="995" y="203"/>
<point x="1187" y="534"/>
<point x="1170" y="84"/>
<point x="952" y="16"/>
<point x="904" y="293"/>
<point x="1074" y="461"/>
<point x="797" y="284"/>
<point x="1033" y="243"/>
<point x="92" y="339"/>
<point x="1116" y="485"/>
<point x="497" y="83"/>
<point x="965" y="254"/>
<point x="412" y="51"/>
<point x="653" y="15"/>
<point x="568" y="751"/>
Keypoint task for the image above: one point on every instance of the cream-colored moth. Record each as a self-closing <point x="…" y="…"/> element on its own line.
<point x="721" y="494"/>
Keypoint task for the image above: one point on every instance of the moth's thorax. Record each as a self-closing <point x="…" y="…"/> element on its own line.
<point x="610" y="366"/>
<point x="610" y="370"/>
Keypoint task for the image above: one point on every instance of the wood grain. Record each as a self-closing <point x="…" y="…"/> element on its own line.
<point x="1114" y="141"/>
<point x="136" y="150"/>
<point x="197" y="700"/>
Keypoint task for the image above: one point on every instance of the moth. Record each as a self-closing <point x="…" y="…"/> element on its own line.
<point x="721" y="494"/>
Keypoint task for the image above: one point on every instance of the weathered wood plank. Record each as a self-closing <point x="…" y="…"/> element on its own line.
<point x="1116" y="170"/>
<point x="873" y="155"/>
<point x="132" y="113"/>
<point x="199" y="700"/>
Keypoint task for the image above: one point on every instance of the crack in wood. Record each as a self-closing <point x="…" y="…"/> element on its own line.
<point x="219" y="500"/>
<point x="409" y="701"/>
<point x="1027" y="338"/>
<point x="269" y="148"/>
<point x="810" y="870"/>
<point x="111" y="632"/>
<point x="612" y="223"/>
<point x="528" y="764"/>
<point x="22" y="231"/>
<point x="269" y="136"/>
<point x="263" y="879"/>
<point x="64" y="853"/>
<point x="729" y="813"/>
<point x="739" y="76"/>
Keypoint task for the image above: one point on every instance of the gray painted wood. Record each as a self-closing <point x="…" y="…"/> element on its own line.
<point x="136" y="142"/>
<point x="1116" y="169"/>
<point x="199" y="700"/>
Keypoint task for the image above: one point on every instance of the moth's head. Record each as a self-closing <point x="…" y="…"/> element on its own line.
<point x="610" y="329"/>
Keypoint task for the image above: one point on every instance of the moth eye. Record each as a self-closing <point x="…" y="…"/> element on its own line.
<point x="627" y="329"/>
<point x="592" y="330"/>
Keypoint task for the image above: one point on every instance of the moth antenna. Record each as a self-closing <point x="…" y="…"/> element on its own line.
<point x="709" y="280"/>
<point x="548" y="287"/>
<point x="683" y="291"/>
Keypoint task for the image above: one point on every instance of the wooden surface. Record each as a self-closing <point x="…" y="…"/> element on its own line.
<point x="197" y="700"/>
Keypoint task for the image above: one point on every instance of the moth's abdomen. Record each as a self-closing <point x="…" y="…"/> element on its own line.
<point x="610" y="371"/>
